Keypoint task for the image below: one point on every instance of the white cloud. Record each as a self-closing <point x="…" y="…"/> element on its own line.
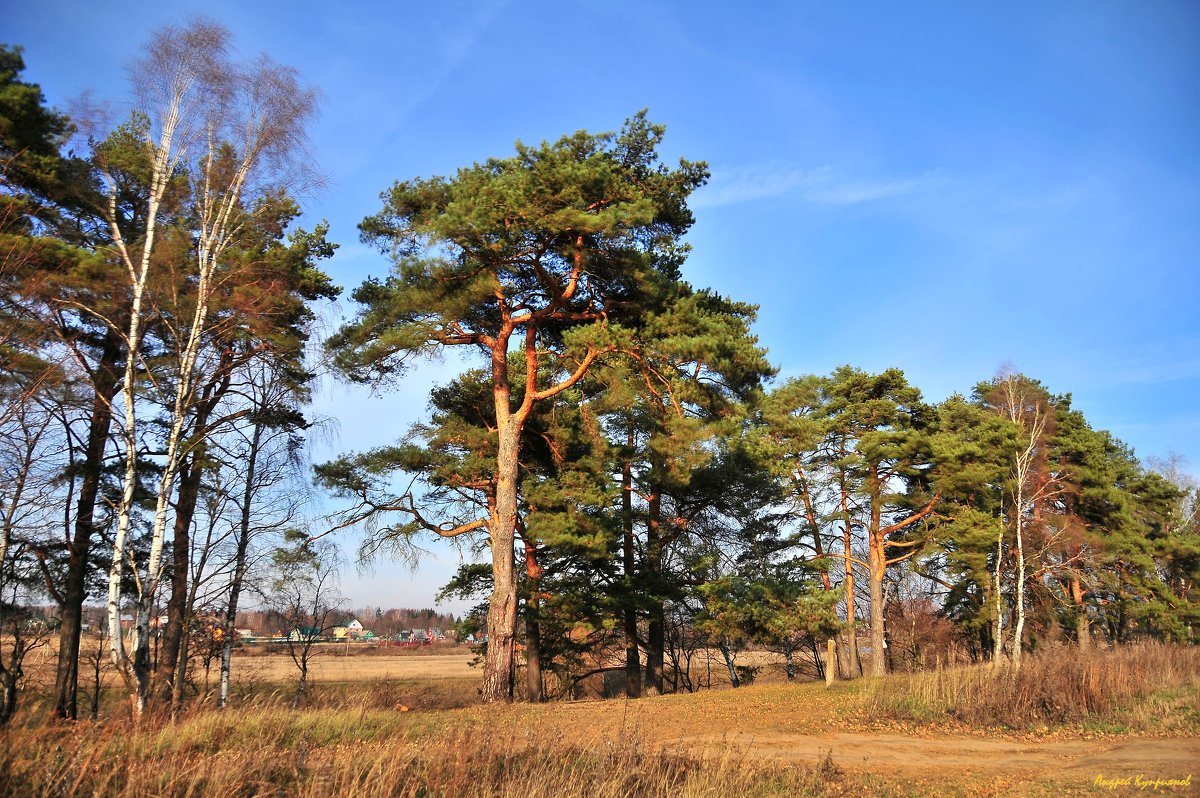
<point x="821" y="185"/>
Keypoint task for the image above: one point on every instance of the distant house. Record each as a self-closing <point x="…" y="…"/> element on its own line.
<point x="352" y="630"/>
<point x="304" y="633"/>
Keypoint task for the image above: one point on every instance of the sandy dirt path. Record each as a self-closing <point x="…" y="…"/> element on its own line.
<point x="1067" y="759"/>
<point x="805" y="724"/>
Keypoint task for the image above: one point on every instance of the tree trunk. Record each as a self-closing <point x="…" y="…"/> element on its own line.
<point x="8" y="703"/>
<point x="533" y="632"/>
<point x="239" y="567"/>
<point x="502" y="606"/>
<point x="657" y="626"/>
<point x="998" y="589"/>
<point x="164" y="159"/>
<point x="727" y="654"/>
<point x="633" y="660"/>
<point x="853" y="666"/>
<point x="1082" y="631"/>
<point x="1019" y="630"/>
<point x="171" y="667"/>
<point x="97" y="663"/>
<point x="830" y="662"/>
<point x="878" y="654"/>
<point x="66" y="681"/>
<point x="303" y="683"/>
<point x="877" y="565"/>
<point x="831" y="658"/>
<point x="182" y="654"/>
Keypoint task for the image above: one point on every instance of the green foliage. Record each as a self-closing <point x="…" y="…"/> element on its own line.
<point x="30" y="133"/>
<point x="573" y="233"/>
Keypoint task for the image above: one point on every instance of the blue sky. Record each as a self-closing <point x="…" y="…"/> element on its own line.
<point x="941" y="187"/>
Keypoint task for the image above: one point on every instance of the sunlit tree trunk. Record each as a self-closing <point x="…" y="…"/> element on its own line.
<point x="852" y="664"/>
<point x="1019" y="628"/>
<point x="499" y="659"/>
<point x="1082" y="631"/>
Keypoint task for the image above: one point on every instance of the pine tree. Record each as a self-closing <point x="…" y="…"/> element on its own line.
<point x="547" y="251"/>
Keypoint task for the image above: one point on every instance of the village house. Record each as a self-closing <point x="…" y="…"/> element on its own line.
<point x="352" y="630"/>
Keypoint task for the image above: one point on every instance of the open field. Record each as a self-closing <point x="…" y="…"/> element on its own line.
<point x="425" y="736"/>
<point x="334" y="663"/>
<point x="327" y="664"/>
<point x="328" y="667"/>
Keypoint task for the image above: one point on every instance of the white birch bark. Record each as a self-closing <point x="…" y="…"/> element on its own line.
<point x="997" y="586"/>
<point x="1031" y="415"/>
<point x="166" y="158"/>
<point x="195" y="89"/>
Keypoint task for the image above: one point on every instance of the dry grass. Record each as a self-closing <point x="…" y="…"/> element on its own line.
<point x="275" y="753"/>
<point x="1134" y="688"/>
<point x="361" y="740"/>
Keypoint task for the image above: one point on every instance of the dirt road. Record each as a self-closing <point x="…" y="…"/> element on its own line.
<point x="1065" y="760"/>
<point x="806" y="724"/>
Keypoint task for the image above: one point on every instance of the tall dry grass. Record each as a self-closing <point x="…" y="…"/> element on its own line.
<point x="1129" y="685"/>
<point x="273" y="752"/>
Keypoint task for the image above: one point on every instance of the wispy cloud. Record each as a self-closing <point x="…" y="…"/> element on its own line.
<point x="822" y="185"/>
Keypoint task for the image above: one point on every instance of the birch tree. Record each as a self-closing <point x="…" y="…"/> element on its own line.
<point x="224" y="131"/>
<point x="1026" y="404"/>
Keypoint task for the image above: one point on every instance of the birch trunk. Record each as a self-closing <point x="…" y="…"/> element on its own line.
<point x="997" y="586"/>
<point x="1019" y="629"/>
<point x="135" y="673"/>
